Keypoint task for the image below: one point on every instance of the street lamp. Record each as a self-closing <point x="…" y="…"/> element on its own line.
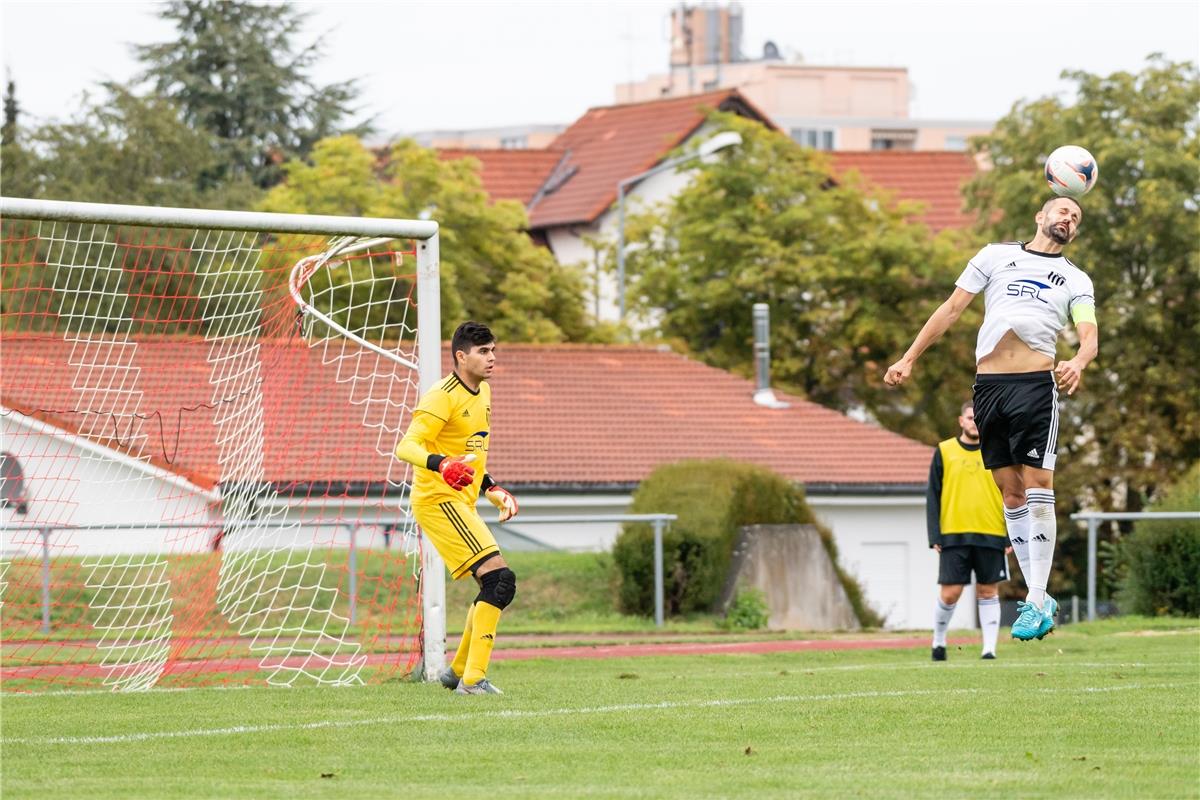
<point x="711" y="145"/>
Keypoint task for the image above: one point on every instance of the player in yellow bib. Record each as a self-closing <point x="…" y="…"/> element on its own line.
<point x="447" y="443"/>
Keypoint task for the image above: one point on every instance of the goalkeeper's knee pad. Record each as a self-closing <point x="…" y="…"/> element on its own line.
<point x="499" y="587"/>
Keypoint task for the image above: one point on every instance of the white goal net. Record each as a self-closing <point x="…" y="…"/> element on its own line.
<point x="198" y="414"/>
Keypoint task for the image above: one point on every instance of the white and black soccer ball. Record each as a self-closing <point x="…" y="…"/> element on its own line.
<point x="1072" y="171"/>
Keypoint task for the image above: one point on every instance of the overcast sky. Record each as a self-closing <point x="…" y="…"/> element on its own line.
<point x="449" y="64"/>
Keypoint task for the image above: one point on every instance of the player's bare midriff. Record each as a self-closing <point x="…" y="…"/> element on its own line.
<point x="1013" y="355"/>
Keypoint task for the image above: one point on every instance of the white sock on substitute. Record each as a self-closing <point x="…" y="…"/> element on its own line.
<point x="1017" y="522"/>
<point x="989" y="622"/>
<point x="941" y="622"/>
<point x="1043" y="531"/>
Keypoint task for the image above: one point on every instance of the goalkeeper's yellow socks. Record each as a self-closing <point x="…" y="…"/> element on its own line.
<point x="459" y="664"/>
<point x="483" y="636"/>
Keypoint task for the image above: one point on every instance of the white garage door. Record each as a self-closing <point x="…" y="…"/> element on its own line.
<point x="883" y="573"/>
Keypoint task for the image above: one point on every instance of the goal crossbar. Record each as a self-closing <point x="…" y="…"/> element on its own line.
<point x="166" y="217"/>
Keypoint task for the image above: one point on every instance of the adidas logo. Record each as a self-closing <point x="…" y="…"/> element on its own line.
<point x="1033" y="453"/>
<point x="466" y="413"/>
<point x="489" y="637"/>
<point x="1041" y="537"/>
<point x="1019" y="540"/>
<point x="1010" y="265"/>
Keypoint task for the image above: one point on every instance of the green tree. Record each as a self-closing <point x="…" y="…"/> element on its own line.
<point x="491" y="270"/>
<point x="236" y="71"/>
<point x="128" y="149"/>
<point x="1134" y="426"/>
<point x="14" y="160"/>
<point x="122" y="149"/>
<point x="846" y="276"/>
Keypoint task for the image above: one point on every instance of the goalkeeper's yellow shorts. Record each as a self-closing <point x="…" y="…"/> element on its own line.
<point x="456" y="530"/>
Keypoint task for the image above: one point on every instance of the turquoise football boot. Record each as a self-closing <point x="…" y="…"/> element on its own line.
<point x="1049" y="611"/>
<point x="1029" y="621"/>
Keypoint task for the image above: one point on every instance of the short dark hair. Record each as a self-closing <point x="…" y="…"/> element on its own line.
<point x="469" y="334"/>
<point x="969" y="404"/>
<point x="1046" y="205"/>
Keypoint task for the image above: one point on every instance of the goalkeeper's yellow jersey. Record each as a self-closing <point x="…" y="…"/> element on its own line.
<point x="451" y="420"/>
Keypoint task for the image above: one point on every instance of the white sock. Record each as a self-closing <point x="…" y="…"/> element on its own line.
<point x="989" y="621"/>
<point x="941" y="622"/>
<point x="1017" y="522"/>
<point x="1043" y="531"/>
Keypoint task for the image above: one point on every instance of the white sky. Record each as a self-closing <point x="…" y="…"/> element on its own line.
<point x="453" y="64"/>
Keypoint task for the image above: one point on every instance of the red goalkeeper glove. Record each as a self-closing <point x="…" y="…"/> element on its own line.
<point x="456" y="472"/>
<point x="502" y="500"/>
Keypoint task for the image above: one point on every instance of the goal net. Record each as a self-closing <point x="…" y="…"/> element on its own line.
<point x="198" y="411"/>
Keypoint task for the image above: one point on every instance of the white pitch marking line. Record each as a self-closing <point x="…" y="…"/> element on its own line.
<point x="554" y="712"/>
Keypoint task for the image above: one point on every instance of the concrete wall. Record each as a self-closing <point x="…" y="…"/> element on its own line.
<point x="791" y="567"/>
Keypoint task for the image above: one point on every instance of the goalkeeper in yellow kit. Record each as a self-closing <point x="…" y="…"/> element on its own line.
<point x="447" y="444"/>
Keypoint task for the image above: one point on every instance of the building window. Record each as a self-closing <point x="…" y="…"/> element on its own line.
<point x="887" y="139"/>
<point x="816" y="138"/>
<point x="956" y="141"/>
<point x="514" y="142"/>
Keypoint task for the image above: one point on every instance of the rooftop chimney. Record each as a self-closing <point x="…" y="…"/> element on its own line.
<point x="762" y="358"/>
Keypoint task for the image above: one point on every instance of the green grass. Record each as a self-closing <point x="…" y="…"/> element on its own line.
<point x="1110" y="709"/>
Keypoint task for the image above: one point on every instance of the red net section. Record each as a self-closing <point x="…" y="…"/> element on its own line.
<point x="197" y="484"/>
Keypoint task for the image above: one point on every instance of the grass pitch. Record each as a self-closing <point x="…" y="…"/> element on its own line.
<point x="1110" y="709"/>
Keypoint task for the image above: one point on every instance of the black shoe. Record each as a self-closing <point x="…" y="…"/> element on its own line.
<point x="988" y="656"/>
<point x="939" y="654"/>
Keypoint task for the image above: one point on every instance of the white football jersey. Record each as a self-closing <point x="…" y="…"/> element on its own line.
<point x="1030" y="293"/>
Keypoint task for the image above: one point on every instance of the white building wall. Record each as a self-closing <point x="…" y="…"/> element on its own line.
<point x="73" y="482"/>
<point x="569" y="245"/>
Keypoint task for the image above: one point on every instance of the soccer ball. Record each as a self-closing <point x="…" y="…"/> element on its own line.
<point x="1071" y="171"/>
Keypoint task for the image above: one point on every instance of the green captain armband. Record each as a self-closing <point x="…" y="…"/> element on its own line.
<point x="1083" y="313"/>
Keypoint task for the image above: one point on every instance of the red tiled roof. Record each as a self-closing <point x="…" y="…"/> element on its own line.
<point x="510" y="174"/>
<point x="564" y="414"/>
<point x="934" y="178"/>
<point x="610" y="143"/>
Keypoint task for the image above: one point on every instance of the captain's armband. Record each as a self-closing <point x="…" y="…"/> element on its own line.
<point x="1083" y="313"/>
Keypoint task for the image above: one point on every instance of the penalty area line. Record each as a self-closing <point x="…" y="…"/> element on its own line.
<point x="239" y="730"/>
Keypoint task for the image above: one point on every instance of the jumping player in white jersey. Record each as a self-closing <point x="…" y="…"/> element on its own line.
<point x="1030" y="291"/>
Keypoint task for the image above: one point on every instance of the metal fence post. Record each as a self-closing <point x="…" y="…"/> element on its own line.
<point x="352" y="560"/>
<point x="658" y="572"/>
<point x="45" y="532"/>
<point x="1093" y="523"/>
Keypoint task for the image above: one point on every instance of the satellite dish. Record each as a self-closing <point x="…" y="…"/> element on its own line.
<point x="12" y="484"/>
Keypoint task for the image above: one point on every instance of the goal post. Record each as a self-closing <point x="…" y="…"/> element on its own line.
<point x="205" y="446"/>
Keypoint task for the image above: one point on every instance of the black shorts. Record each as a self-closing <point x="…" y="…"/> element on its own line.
<point x="957" y="562"/>
<point x="1017" y="416"/>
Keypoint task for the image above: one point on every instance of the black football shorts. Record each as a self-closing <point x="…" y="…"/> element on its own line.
<point x="1017" y="416"/>
<point x="956" y="563"/>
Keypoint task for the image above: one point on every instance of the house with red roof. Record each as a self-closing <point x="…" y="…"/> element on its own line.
<point x="575" y="428"/>
<point x="570" y="187"/>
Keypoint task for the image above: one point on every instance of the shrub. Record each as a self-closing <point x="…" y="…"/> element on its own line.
<point x="748" y="611"/>
<point x="1160" y="560"/>
<point x="713" y="500"/>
